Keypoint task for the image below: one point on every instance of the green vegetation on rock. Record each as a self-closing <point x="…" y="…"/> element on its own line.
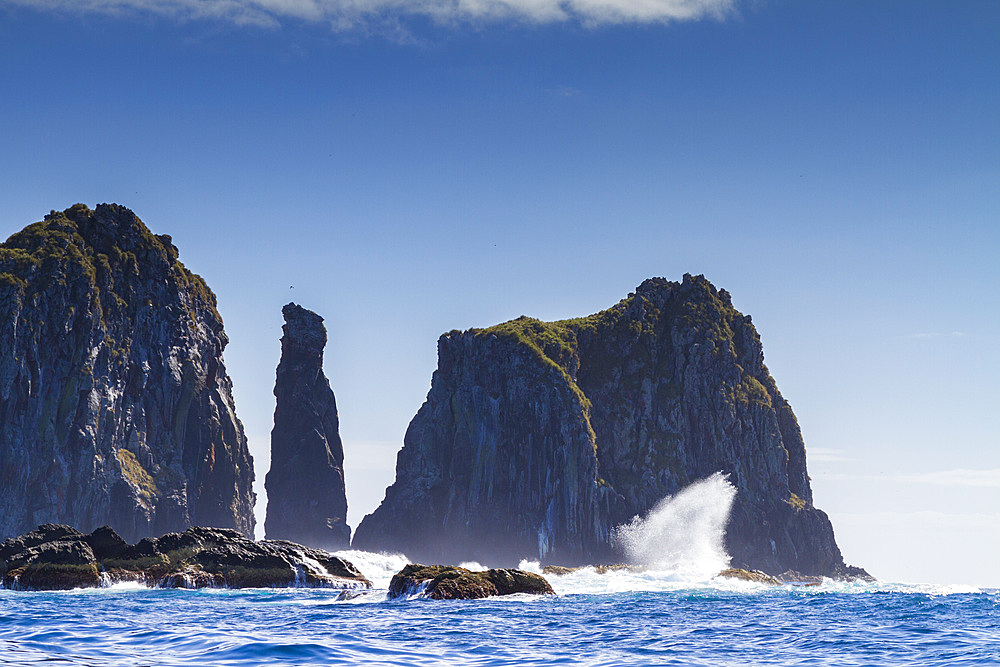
<point x="54" y="251"/>
<point x="671" y="385"/>
<point x="109" y="346"/>
<point x="137" y="475"/>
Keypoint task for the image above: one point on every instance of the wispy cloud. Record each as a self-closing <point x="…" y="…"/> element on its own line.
<point x="957" y="477"/>
<point x="350" y="14"/>
<point x="826" y="454"/>
<point x="562" y="91"/>
<point x="989" y="479"/>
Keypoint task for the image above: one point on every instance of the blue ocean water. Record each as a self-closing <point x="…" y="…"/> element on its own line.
<point x="669" y="608"/>
<point x="619" y="618"/>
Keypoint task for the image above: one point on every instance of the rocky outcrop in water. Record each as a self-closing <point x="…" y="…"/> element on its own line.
<point x="538" y="438"/>
<point x="58" y="557"/>
<point x="306" y="497"/>
<point x="753" y="576"/>
<point x="115" y="405"/>
<point x="446" y="582"/>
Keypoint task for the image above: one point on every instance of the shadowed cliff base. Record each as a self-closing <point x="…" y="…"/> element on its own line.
<point x="538" y="438"/>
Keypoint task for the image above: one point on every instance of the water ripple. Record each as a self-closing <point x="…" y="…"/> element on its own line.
<point x="680" y="627"/>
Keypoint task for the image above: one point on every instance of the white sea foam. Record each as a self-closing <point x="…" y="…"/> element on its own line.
<point x="377" y="567"/>
<point x="473" y="566"/>
<point x="127" y="586"/>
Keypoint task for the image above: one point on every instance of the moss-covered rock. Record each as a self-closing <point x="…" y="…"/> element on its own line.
<point x="115" y="405"/>
<point x="52" y="557"/>
<point x="59" y="557"/>
<point x="446" y="582"/>
<point x="538" y="438"/>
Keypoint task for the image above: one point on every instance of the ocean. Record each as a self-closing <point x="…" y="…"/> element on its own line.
<point x="618" y="618"/>
<point x="669" y="609"/>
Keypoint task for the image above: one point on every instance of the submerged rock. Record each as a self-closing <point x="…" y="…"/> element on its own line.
<point x="115" y="405"/>
<point x="306" y="497"/>
<point x="538" y="438"/>
<point x="59" y="557"/>
<point x="446" y="582"/>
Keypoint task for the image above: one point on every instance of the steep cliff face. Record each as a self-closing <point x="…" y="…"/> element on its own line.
<point x="306" y="499"/>
<point x="538" y="438"/>
<point x="115" y="406"/>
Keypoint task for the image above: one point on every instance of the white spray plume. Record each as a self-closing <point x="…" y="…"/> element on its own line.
<point x="684" y="533"/>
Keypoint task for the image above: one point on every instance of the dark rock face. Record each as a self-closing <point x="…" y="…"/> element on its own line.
<point x="51" y="557"/>
<point x="306" y="498"/>
<point x="55" y="557"/>
<point x="538" y="438"/>
<point x="445" y="582"/>
<point x="115" y="406"/>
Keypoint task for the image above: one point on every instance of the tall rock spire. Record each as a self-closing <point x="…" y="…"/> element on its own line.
<point x="306" y="499"/>
<point x="115" y="405"/>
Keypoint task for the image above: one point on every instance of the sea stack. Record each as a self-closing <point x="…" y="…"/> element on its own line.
<point x="538" y="438"/>
<point x="115" y="405"/>
<point x="306" y="498"/>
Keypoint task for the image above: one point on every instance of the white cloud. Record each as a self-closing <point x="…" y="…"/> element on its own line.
<point x="344" y="14"/>
<point x="985" y="479"/>
<point x="825" y="454"/>
<point x="957" y="477"/>
<point x="563" y="91"/>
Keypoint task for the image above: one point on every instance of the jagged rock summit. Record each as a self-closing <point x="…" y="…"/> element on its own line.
<point x="306" y="497"/>
<point x="538" y="438"/>
<point x="115" y="405"/>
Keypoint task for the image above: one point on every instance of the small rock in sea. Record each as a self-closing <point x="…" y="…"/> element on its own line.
<point x="755" y="576"/>
<point x="447" y="582"/>
<point x="799" y="579"/>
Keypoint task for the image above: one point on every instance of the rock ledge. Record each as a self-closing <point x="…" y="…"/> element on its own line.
<point x="58" y="557"/>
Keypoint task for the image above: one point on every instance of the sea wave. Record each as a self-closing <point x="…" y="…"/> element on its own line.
<point x="714" y="622"/>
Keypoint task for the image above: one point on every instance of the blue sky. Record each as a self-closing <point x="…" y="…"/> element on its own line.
<point x="420" y="166"/>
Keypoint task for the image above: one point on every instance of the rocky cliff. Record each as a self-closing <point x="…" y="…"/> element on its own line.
<point x="538" y="438"/>
<point x="306" y="499"/>
<point x="115" y="405"/>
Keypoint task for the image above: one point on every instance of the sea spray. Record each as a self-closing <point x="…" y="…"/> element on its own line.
<point x="683" y="534"/>
<point x="678" y="545"/>
<point x="378" y="568"/>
